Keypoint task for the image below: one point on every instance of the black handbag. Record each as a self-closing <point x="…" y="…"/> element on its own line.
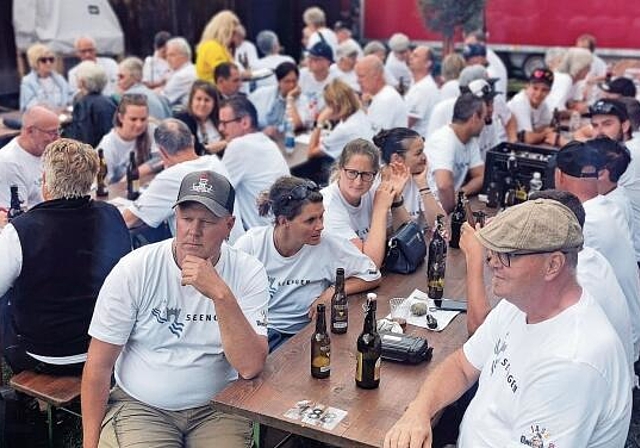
<point x="404" y="349"/>
<point x="406" y="249"/>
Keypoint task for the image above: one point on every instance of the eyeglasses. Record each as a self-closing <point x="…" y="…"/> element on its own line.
<point x="505" y="258"/>
<point x="49" y="59"/>
<point x="366" y="176"/>
<point x="301" y="192"/>
<point x="50" y="132"/>
<point x="86" y="50"/>
<point x="226" y="122"/>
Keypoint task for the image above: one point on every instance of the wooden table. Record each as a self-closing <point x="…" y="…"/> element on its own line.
<point x="286" y="378"/>
<point x="296" y="157"/>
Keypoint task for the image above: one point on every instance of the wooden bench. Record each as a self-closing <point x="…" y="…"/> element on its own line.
<point x="55" y="391"/>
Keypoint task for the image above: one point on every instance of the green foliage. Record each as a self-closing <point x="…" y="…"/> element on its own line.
<point x="444" y="16"/>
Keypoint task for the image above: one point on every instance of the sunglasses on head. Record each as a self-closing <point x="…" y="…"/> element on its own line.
<point x="604" y="108"/>
<point x="49" y="59"/>
<point x="302" y="192"/>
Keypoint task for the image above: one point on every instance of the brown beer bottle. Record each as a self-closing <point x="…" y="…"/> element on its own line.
<point x="437" y="263"/>
<point x="320" y="347"/>
<point x="101" y="178"/>
<point x="339" y="306"/>
<point x="133" y="178"/>
<point x="369" y="349"/>
<point x="458" y="218"/>
<point x="15" y="209"/>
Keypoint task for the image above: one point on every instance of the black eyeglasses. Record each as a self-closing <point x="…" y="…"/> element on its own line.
<point x="302" y="192"/>
<point x="226" y="122"/>
<point x="366" y="176"/>
<point x="49" y="59"/>
<point x="505" y="258"/>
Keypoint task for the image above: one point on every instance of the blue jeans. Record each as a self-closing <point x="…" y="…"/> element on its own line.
<point x="276" y="338"/>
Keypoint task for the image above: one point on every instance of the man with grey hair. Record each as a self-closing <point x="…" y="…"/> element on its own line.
<point x="398" y="59"/>
<point x="315" y="20"/>
<point x="155" y="205"/>
<point x="86" y="50"/>
<point x="130" y="81"/>
<point x="454" y="157"/>
<point x="92" y="111"/>
<point x="20" y="159"/>
<point x="183" y="72"/>
<point x="343" y="68"/>
<point x="269" y="45"/>
<point x="573" y="68"/>
<point x="47" y="305"/>
<point x="546" y="376"/>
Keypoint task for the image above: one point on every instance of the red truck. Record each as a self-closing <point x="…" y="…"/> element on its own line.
<point x="521" y="31"/>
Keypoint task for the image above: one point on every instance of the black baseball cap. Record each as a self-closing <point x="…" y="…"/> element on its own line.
<point x="321" y="50"/>
<point x="579" y="159"/>
<point x="542" y="75"/>
<point x="607" y="106"/>
<point x="210" y="189"/>
<point x="622" y="86"/>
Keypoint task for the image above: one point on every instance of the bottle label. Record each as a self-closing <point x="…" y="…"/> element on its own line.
<point x="367" y="368"/>
<point x="136" y="185"/>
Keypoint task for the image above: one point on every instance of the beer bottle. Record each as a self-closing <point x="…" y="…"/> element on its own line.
<point x="133" y="178"/>
<point x="101" y="180"/>
<point x="458" y="218"/>
<point x="14" y="208"/>
<point x="339" y="306"/>
<point x="402" y="89"/>
<point x="320" y="346"/>
<point x="437" y="263"/>
<point x="521" y="192"/>
<point x="369" y="349"/>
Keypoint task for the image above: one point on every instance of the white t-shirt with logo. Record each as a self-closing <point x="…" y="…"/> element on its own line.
<point x="387" y="110"/>
<point x="342" y="218"/>
<point x="254" y="163"/>
<point x="421" y="99"/>
<point x="446" y="152"/>
<point x="18" y="167"/>
<point x="554" y="383"/>
<point x="528" y="117"/>
<point x="172" y="356"/>
<point x="313" y="91"/>
<point x="155" y="204"/>
<point x="295" y="282"/>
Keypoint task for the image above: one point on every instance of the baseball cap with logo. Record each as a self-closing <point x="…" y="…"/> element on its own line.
<point x="480" y="88"/>
<point x="210" y="189"/>
<point x="542" y="75"/>
<point x="621" y="86"/>
<point x="579" y="159"/>
<point x="535" y="226"/>
<point x="609" y="107"/>
<point x="474" y="51"/>
<point x="321" y="50"/>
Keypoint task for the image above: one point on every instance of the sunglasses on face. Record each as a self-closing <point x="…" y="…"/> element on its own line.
<point x="45" y="59"/>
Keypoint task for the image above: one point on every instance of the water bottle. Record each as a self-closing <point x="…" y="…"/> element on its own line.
<point x="535" y="184"/>
<point x="289" y="135"/>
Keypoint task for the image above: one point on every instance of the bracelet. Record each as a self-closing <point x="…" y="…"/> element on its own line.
<point x="425" y="190"/>
<point x="397" y="204"/>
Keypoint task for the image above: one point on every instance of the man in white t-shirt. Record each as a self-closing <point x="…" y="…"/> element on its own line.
<point x="494" y="64"/>
<point x="534" y="344"/>
<point x="253" y="160"/>
<point x="423" y="95"/>
<point x="344" y="68"/>
<point x="316" y="76"/>
<point x="344" y="34"/>
<point x="183" y="72"/>
<point x="386" y="108"/>
<point x="453" y="152"/>
<point x="20" y="162"/>
<point x="533" y="116"/>
<point x="269" y="45"/>
<point x="605" y="229"/>
<point x="155" y="205"/>
<point x="397" y="62"/>
<point x="86" y="50"/>
<point x="315" y="20"/>
<point x="179" y="320"/>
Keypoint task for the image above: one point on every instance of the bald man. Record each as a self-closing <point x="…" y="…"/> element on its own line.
<point x="86" y="50"/>
<point x="386" y="108"/>
<point x="20" y="162"/>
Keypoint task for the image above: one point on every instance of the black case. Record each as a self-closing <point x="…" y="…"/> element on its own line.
<point x="404" y="349"/>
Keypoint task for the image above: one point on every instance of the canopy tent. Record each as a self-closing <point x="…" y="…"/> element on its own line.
<point x="59" y="22"/>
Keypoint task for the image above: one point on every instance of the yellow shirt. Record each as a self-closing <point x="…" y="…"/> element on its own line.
<point x="208" y="56"/>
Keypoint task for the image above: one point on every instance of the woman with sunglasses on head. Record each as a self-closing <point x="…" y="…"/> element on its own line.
<point x="131" y="132"/>
<point x="202" y="118"/>
<point x="356" y="210"/>
<point x="405" y="147"/>
<point x="43" y="85"/>
<point x="300" y="259"/>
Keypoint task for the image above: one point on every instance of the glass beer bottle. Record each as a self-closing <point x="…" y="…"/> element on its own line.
<point x="101" y="178"/>
<point x="320" y="347"/>
<point x="133" y="178"/>
<point x="369" y="349"/>
<point x="458" y="218"/>
<point x="437" y="263"/>
<point x="339" y="306"/>
<point x="15" y="209"/>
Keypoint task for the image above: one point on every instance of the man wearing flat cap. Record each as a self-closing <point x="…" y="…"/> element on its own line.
<point x="179" y="319"/>
<point x="544" y="373"/>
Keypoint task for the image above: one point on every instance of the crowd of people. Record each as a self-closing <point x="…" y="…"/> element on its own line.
<point x="255" y="244"/>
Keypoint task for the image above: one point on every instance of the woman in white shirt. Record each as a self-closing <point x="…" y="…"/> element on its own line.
<point x="201" y="117"/>
<point x="300" y="259"/>
<point x="359" y="212"/>
<point x="405" y="147"/>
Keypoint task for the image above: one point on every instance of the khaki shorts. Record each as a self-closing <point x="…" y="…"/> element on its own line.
<point x="129" y="422"/>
